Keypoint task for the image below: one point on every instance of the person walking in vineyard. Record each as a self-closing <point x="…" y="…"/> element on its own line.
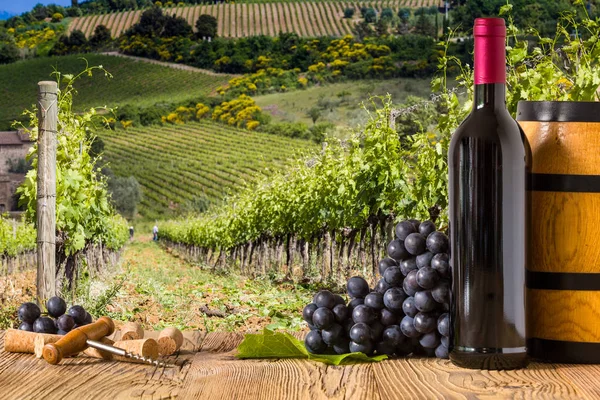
<point x="131" y="232"/>
<point x="155" y="232"/>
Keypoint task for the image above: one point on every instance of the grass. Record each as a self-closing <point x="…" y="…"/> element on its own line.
<point x="177" y="165"/>
<point x="339" y="102"/>
<point x="134" y="82"/>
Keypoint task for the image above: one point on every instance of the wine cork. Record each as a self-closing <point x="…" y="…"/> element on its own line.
<point x="141" y="347"/>
<point x="169" y="341"/>
<point x="17" y="341"/>
<point x="132" y="331"/>
<point x="95" y="353"/>
<point x="42" y="339"/>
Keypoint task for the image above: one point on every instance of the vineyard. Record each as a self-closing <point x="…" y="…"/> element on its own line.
<point x="309" y="19"/>
<point x="133" y="82"/>
<point x="198" y="160"/>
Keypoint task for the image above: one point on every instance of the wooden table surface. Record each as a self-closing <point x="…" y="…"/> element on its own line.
<point x="209" y="370"/>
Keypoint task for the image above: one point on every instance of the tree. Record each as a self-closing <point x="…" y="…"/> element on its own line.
<point x="362" y="30"/>
<point x="125" y="195"/>
<point x="349" y="12"/>
<point x="382" y="26"/>
<point x="424" y="26"/>
<point x="206" y="26"/>
<point x="100" y="37"/>
<point x="387" y="14"/>
<point x="40" y="12"/>
<point x="370" y="15"/>
<point x="78" y="40"/>
<point x="314" y="113"/>
<point x="176" y="26"/>
<point x="74" y="3"/>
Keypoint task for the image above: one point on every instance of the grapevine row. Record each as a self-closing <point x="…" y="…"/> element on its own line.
<point x="309" y="19"/>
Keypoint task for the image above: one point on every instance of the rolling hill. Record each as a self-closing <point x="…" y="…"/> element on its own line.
<point x="134" y="82"/>
<point x="239" y="19"/>
<point x="177" y="165"/>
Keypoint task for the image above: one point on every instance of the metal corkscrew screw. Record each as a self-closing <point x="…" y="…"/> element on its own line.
<point x="120" y="352"/>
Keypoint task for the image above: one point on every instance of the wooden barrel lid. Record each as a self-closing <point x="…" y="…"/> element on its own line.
<point x="559" y="111"/>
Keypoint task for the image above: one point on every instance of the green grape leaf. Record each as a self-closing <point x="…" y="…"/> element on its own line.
<point x="271" y="344"/>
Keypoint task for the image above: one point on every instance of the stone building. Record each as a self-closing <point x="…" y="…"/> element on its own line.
<point x="14" y="146"/>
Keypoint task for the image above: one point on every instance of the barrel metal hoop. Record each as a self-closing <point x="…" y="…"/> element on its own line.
<point x="563" y="183"/>
<point x="563" y="351"/>
<point x="562" y="280"/>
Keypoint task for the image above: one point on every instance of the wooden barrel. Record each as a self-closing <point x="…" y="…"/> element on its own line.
<point x="563" y="272"/>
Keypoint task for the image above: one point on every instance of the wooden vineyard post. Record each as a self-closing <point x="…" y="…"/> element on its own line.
<point x="46" y="190"/>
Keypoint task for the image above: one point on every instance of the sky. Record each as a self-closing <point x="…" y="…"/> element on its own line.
<point x="20" y="6"/>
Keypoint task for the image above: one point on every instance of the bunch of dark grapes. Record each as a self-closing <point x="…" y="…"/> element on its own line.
<point x="405" y="313"/>
<point x="58" y="320"/>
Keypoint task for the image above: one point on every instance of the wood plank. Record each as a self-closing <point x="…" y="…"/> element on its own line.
<point x="218" y="375"/>
<point x="428" y="378"/>
<point x="586" y="378"/>
<point x="25" y="377"/>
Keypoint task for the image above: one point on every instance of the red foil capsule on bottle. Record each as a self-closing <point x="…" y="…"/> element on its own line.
<point x="490" y="39"/>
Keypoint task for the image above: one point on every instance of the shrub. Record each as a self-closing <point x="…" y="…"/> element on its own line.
<point x="9" y="53"/>
<point x="387" y="14"/>
<point x="57" y="17"/>
<point x="100" y="37"/>
<point x="349" y="12"/>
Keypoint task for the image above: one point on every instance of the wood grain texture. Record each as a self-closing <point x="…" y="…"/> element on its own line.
<point x="217" y="374"/>
<point x="564" y="232"/>
<point x="563" y="315"/>
<point x="564" y="148"/>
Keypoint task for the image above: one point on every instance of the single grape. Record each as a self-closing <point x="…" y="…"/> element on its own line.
<point x="347" y="325"/>
<point x="342" y="347"/>
<point x="445" y="341"/>
<point x="44" y="325"/>
<point x="78" y="314"/>
<point x="437" y="242"/>
<point x="426" y="352"/>
<point x="441" y="351"/>
<point x="409" y="308"/>
<point x="405" y="348"/>
<point x="88" y="318"/>
<point x="65" y="323"/>
<point x="441" y="293"/>
<point x="415" y="244"/>
<point x="430" y="340"/>
<point x="377" y="329"/>
<point x="408" y="327"/>
<point x="324" y="298"/>
<point x="382" y="286"/>
<point x="56" y="306"/>
<point x="26" y="326"/>
<point x="385" y="348"/>
<point x="393" y="276"/>
<point x="339" y="299"/>
<point x="427" y="277"/>
<point x="440" y="263"/>
<point x="397" y="251"/>
<point x="408" y="265"/>
<point x="61" y="332"/>
<point x="425" y="322"/>
<point x="341" y="313"/>
<point x="355" y="302"/>
<point x="426" y="228"/>
<point x="385" y="264"/>
<point x="374" y="300"/>
<point x="308" y="311"/>
<point x="323" y="318"/>
<point x="360" y="333"/>
<point x="314" y="343"/>
<point x="443" y="325"/>
<point x="366" y="348"/>
<point x="393" y="334"/>
<point x="388" y="317"/>
<point x="394" y="298"/>
<point x="403" y="229"/>
<point x="29" y="312"/>
<point x="364" y="314"/>
<point x="410" y="284"/>
<point x="424" y="301"/>
<point x="424" y="260"/>
<point x="357" y="287"/>
<point x="333" y="334"/>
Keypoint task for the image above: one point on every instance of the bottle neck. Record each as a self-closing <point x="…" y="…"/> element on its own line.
<point x="489" y="95"/>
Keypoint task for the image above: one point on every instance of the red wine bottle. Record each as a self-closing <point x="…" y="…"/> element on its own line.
<point x="489" y="160"/>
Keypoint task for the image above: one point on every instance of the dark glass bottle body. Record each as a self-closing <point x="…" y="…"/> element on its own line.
<point x="489" y="161"/>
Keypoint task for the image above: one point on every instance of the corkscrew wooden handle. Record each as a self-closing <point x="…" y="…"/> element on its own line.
<point x="75" y="341"/>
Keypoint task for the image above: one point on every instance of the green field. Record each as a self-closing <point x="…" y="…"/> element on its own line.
<point x="340" y="103"/>
<point x="179" y="164"/>
<point x="133" y="82"/>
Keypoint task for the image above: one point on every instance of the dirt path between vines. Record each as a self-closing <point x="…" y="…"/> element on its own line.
<point x="168" y="64"/>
